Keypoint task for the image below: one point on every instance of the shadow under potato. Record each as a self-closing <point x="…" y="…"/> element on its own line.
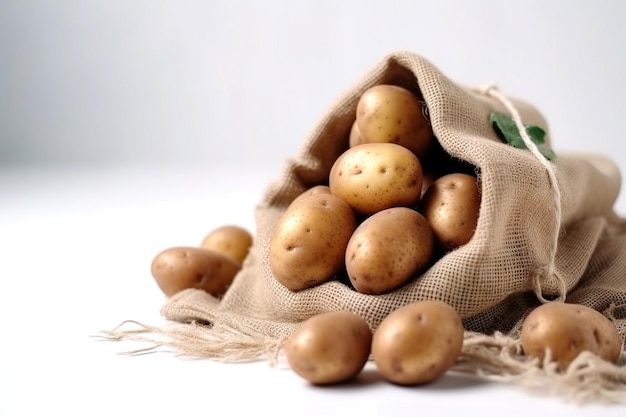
<point x="451" y="380"/>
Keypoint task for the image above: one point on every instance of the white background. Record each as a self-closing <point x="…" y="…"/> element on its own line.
<point x="242" y="83"/>
<point x="130" y="126"/>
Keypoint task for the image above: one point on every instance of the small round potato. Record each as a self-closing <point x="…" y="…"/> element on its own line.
<point x="568" y="329"/>
<point x="318" y="189"/>
<point x="388" y="249"/>
<point x="355" y="135"/>
<point x="392" y="114"/>
<point x="179" y="268"/>
<point x="418" y="343"/>
<point x="229" y="240"/>
<point x="375" y="176"/>
<point x="428" y="177"/>
<point x="451" y="205"/>
<point x="308" y="243"/>
<point x="329" y="348"/>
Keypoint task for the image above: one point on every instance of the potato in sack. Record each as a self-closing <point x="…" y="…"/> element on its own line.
<point x="375" y="176"/>
<point x="309" y="241"/>
<point x="392" y="114"/>
<point x="388" y="249"/>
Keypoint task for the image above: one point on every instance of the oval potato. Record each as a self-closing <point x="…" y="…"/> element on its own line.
<point x="355" y="135"/>
<point x="317" y="189"/>
<point x="375" y="176"/>
<point x="392" y="114"/>
<point x="451" y="205"/>
<point x="329" y="348"/>
<point x="179" y="268"/>
<point x="568" y="329"/>
<point x="308" y="243"/>
<point x="418" y="343"/>
<point x="428" y="177"/>
<point x="229" y="240"/>
<point x="388" y="249"/>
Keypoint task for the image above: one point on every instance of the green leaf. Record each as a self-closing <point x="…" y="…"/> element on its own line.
<point x="509" y="133"/>
<point x="537" y="134"/>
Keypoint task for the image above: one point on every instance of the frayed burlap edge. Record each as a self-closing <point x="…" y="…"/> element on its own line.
<point x="588" y="378"/>
<point x="195" y="339"/>
<point x="497" y="357"/>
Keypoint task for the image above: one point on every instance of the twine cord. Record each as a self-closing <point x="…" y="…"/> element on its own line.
<point x="491" y="90"/>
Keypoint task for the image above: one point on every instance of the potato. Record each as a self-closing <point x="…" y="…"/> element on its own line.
<point x="355" y="135"/>
<point x="318" y="189"/>
<point x="392" y="114"/>
<point x="229" y="240"/>
<point x="418" y="343"/>
<point x="428" y="177"/>
<point x="329" y="348"/>
<point x="178" y="268"/>
<point x="451" y="205"/>
<point x="568" y="329"/>
<point x="388" y="249"/>
<point x="308" y="242"/>
<point x="375" y="176"/>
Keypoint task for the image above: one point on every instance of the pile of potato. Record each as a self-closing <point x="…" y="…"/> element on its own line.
<point x="393" y="203"/>
<point x="419" y="342"/>
<point x="415" y="344"/>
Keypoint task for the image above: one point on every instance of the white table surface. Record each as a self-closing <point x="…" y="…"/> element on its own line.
<point x="75" y="253"/>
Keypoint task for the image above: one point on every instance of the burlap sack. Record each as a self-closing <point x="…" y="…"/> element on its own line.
<point x="546" y="230"/>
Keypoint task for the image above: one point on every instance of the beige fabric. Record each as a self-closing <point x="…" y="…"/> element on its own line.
<point x="491" y="281"/>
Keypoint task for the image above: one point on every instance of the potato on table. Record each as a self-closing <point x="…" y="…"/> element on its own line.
<point x="179" y="268"/>
<point x="418" y="343"/>
<point x="229" y="240"/>
<point x="566" y="330"/>
<point x="330" y="348"/>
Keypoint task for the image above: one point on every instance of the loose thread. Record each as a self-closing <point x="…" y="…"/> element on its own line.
<point x="219" y="341"/>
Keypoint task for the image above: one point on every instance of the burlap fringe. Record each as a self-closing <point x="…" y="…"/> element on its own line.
<point x="195" y="339"/>
<point x="496" y="357"/>
<point x="588" y="378"/>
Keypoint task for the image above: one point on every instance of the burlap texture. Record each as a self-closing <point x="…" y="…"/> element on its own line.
<point x="493" y="281"/>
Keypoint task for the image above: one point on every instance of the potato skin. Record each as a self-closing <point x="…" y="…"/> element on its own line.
<point x="388" y="249"/>
<point x="428" y="177"/>
<point x="317" y="189"/>
<point x="451" y="205"/>
<point x="355" y="137"/>
<point x="179" y="268"/>
<point x="329" y="348"/>
<point x="391" y="114"/>
<point x="567" y="330"/>
<point x="308" y="243"/>
<point x="375" y="176"/>
<point x="418" y="343"/>
<point x="229" y="240"/>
